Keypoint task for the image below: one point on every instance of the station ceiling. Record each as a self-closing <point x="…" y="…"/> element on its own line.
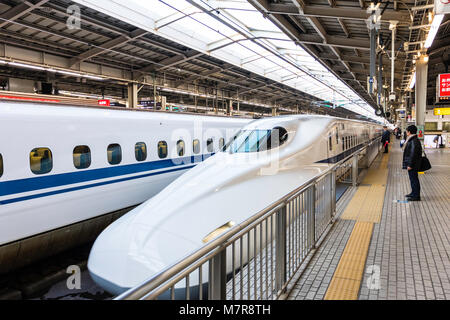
<point x="328" y="44"/>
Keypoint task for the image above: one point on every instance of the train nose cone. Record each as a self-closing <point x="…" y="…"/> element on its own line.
<point x="122" y="258"/>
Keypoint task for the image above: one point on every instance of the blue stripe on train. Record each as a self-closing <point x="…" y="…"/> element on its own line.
<point x="45" y="194"/>
<point x="58" y="180"/>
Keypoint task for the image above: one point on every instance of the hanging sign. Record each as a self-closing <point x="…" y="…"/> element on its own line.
<point x="443" y="82"/>
<point x="441" y="6"/>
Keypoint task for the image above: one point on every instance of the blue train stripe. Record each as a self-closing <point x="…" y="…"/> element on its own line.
<point x="58" y="180"/>
<point x="45" y="194"/>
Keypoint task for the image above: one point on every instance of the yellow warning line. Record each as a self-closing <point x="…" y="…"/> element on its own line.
<point x="366" y="208"/>
<point x="348" y="275"/>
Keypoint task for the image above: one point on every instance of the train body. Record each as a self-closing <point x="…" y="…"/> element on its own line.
<point x="61" y="165"/>
<point x="266" y="160"/>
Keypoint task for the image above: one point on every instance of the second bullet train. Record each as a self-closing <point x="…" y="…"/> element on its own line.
<point x="64" y="168"/>
<point x="264" y="161"/>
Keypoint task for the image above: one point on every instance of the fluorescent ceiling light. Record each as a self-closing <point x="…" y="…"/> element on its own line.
<point x="28" y="66"/>
<point x="413" y="81"/>
<point x="433" y="30"/>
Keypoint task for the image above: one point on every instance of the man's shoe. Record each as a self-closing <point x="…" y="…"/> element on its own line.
<point x="412" y="199"/>
<point x="409" y="195"/>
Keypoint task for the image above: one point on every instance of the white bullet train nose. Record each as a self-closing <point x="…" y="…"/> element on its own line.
<point x="121" y="259"/>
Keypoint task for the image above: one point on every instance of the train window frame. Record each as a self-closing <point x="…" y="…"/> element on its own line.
<point x="210" y="145"/>
<point x="221" y="143"/>
<point x="1" y="165"/>
<point x="163" y="142"/>
<point x="49" y="166"/>
<point x="88" y="162"/>
<point x="182" y="149"/>
<point x="138" y="146"/>
<point x="196" y="146"/>
<point x="110" y="160"/>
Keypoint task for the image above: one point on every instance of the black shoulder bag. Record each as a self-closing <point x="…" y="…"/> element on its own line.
<point x="424" y="163"/>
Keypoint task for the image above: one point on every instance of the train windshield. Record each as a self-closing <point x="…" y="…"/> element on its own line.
<point x="257" y="140"/>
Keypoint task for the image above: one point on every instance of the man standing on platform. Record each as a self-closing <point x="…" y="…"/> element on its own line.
<point x="412" y="155"/>
<point x="385" y="139"/>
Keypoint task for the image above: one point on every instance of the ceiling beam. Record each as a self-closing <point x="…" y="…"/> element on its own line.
<point x="108" y="45"/>
<point x="333" y="12"/>
<point x="172" y="61"/>
<point x="18" y="11"/>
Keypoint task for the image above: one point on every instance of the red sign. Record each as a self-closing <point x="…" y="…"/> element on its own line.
<point x="444" y="85"/>
<point x="104" y="102"/>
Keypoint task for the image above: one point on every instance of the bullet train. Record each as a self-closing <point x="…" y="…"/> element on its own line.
<point x="264" y="161"/>
<point x="64" y="165"/>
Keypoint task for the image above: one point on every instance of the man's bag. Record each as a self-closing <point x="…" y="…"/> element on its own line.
<point x="424" y="163"/>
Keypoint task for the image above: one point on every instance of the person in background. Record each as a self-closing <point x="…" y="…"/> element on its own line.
<point x="412" y="155"/>
<point x="385" y="139"/>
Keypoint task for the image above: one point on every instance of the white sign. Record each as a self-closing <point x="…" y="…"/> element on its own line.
<point x="441" y="6"/>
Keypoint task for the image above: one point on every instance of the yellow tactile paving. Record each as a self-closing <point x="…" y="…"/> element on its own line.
<point x="366" y="208"/>
<point x="349" y="272"/>
<point x="355" y="205"/>
<point x="342" y="289"/>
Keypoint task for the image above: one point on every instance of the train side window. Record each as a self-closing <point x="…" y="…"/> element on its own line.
<point x="210" y="145"/>
<point x="114" y="154"/>
<point x="196" y="146"/>
<point x="330" y="143"/>
<point x="81" y="157"/>
<point x="1" y="165"/>
<point x="41" y="160"/>
<point x="162" y="149"/>
<point x="221" y="143"/>
<point x="140" y="151"/>
<point x="180" y="148"/>
<point x="337" y="135"/>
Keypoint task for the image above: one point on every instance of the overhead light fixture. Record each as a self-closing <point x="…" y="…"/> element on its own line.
<point x="433" y="29"/>
<point x="413" y="81"/>
<point x="31" y="66"/>
<point x="28" y="66"/>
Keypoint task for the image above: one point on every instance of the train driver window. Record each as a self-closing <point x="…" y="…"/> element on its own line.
<point x="257" y="140"/>
<point x="114" y="154"/>
<point x="81" y="157"/>
<point x="221" y="143"/>
<point x="196" y="146"/>
<point x="162" y="149"/>
<point x="180" y="148"/>
<point x="140" y="151"/>
<point x="1" y="165"/>
<point x="210" y="145"/>
<point x="41" y="160"/>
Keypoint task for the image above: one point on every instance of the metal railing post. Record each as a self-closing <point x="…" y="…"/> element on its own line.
<point x="355" y="170"/>
<point x="280" y="252"/>
<point x="312" y="217"/>
<point x="333" y="193"/>
<point x="218" y="276"/>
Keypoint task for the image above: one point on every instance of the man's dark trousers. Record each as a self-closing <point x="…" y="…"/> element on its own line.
<point x="415" y="184"/>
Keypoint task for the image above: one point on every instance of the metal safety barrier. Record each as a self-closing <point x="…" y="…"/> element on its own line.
<point x="257" y="259"/>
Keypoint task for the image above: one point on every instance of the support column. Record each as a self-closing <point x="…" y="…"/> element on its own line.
<point x="274" y="111"/>
<point x="230" y="110"/>
<point x="421" y="89"/>
<point x="132" y="95"/>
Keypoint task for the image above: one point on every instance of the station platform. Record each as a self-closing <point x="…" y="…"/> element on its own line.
<point x="382" y="247"/>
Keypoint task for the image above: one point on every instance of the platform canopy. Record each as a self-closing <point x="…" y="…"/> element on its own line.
<point x="234" y="31"/>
